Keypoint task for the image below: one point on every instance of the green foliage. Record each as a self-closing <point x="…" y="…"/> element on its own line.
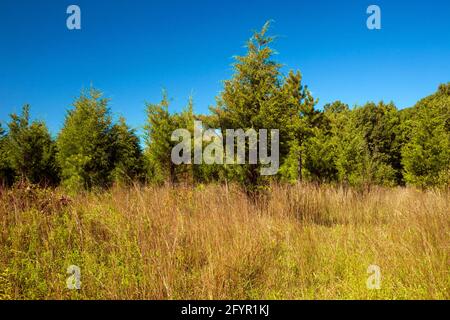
<point x="6" y="172"/>
<point x="320" y="157"/>
<point x="370" y="144"/>
<point x="357" y="147"/>
<point x="185" y="120"/>
<point x="426" y="156"/>
<point x="29" y="150"/>
<point x="299" y="119"/>
<point x="86" y="143"/>
<point x="352" y="159"/>
<point x="159" y="128"/>
<point x="251" y="99"/>
<point x="127" y="154"/>
<point x="259" y="97"/>
<point x="379" y="124"/>
<point x="321" y="149"/>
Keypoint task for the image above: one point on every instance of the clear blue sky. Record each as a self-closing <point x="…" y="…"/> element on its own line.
<point x="132" y="49"/>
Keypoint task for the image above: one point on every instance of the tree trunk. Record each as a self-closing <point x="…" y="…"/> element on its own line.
<point x="300" y="166"/>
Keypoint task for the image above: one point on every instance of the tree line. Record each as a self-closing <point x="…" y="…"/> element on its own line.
<point x="373" y="144"/>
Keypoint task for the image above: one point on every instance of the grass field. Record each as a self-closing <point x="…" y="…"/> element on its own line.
<point x="301" y="242"/>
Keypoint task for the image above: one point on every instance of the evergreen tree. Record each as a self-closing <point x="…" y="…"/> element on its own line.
<point x="300" y="123"/>
<point x="352" y="159"/>
<point x="127" y="154"/>
<point x="359" y="146"/>
<point x="6" y="172"/>
<point x="380" y="127"/>
<point x="30" y="149"/>
<point x="372" y="144"/>
<point x="207" y="173"/>
<point x="426" y="157"/>
<point x="159" y="128"/>
<point x="185" y="120"/>
<point x="322" y="148"/>
<point x="85" y="143"/>
<point x="248" y="100"/>
<point x="320" y="156"/>
<point x="259" y="97"/>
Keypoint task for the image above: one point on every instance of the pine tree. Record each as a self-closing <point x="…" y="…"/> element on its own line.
<point x="85" y="143"/>
<point x="380" y="127"/>
<point x="351" y="155"/>
<point x="127" y="154"/>
<point x="321" y="150"/>
<point x="159" y="128"/>
<point x="259" y="97"/>
<point x="30" y="149"/>
<point x="187" y="173"/>
<point x="426" y="157"/>
<point x="320" y="156"/>
<point x="207" y="173"/>
<point x="248" y="100"/>
<point x="6" y="172"/>
<point x="300" y="121"/>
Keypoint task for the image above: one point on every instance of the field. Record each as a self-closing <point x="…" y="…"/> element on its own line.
<point x="212" y="242"/>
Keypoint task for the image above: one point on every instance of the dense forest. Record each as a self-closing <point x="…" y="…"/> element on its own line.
<point x="373" y="144"/>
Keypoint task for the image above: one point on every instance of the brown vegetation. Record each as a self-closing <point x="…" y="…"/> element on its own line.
<point x="301" y="242"/>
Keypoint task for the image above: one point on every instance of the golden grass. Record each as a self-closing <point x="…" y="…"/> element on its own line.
<point x="302" y="242"/>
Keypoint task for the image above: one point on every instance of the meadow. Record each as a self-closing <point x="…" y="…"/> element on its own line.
<point x="301" y="241"/>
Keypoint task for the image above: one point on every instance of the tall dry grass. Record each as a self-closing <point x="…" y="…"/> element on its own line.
<point x="301" y="242"/>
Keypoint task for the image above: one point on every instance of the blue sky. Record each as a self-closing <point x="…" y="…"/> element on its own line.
<point x="131" y="50"/>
